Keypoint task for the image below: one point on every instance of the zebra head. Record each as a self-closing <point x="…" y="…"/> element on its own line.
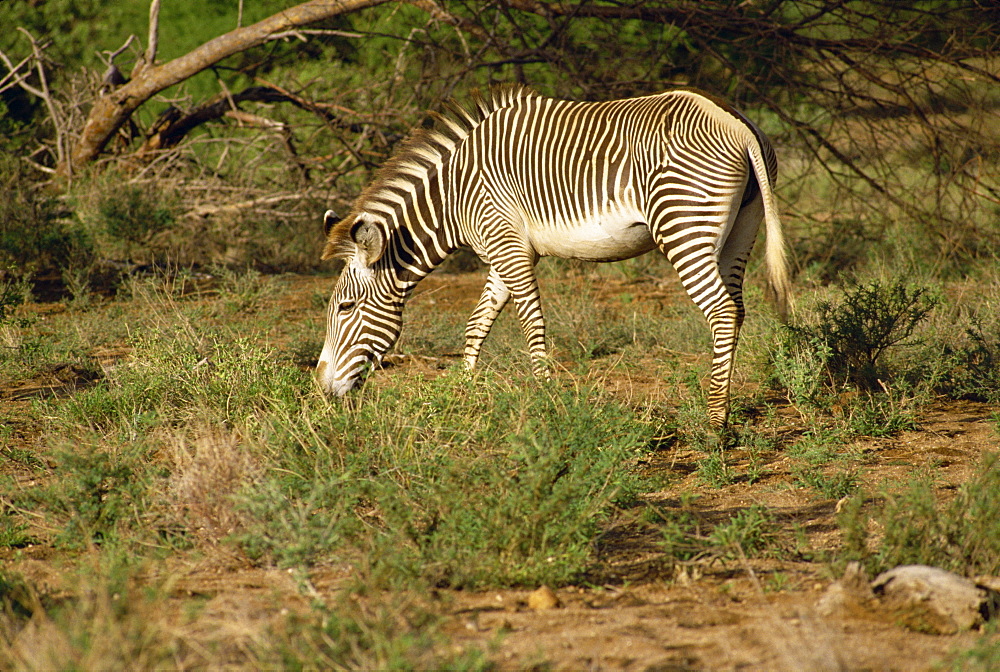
<point x="365" y="313"/>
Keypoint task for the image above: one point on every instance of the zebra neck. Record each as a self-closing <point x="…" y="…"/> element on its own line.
<point x="414" y="256"/>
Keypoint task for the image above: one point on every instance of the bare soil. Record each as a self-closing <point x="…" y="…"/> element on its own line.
<point x="640" y="612"/>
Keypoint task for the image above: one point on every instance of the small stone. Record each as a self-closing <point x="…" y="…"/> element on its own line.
<point x="543" y="598"/>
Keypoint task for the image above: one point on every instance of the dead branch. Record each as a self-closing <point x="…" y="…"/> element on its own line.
<point x="111" y="110"/>
<point x="173" y="124"/>
<point x="152" y="42"/>
<point x="45" y="94"/>
<point x="207" y="210"/>
<point x="438" y="13"/>
<point x="12" y="78"/>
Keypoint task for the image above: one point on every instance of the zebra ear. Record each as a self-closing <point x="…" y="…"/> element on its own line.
<point x="370" y="241"/>
<point x="329" y="219"/>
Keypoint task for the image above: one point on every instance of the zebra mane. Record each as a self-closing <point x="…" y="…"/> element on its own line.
<point x="421" y="152"/>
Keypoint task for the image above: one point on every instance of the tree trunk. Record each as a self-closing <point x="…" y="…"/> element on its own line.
<point x="113" y="109"/>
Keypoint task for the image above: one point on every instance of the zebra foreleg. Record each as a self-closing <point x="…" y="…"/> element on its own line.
<point x="516" y="270"/>
<point x="492" y="301"/>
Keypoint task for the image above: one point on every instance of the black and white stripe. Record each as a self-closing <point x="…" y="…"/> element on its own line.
<point x="521" y="176"/>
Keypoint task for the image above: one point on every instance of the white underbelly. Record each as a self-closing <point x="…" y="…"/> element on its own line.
<point x="615" y="235"/>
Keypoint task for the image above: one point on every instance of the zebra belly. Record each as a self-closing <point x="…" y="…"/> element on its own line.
<point x="613" y="237"/>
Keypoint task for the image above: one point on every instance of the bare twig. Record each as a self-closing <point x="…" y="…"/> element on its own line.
<point x="118" y="52"/>
<point x="12" y="79"/>
<point x="46" y="95"/>
<point x="206" y="210"/>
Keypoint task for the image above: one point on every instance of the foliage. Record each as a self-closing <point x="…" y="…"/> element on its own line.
<point x="12" y="294"/>
<point x="752" y="532"/>
<point x="177" y="375"/>
<point x="825" y="85"/>
<point x="96" y="496"/>
<point x="852" y="335"/>
<point x="355" y="633"/>
<point x="970" y="365"/>
<point x="749" y="533"/>
<point x="204" y="442"/>
<point x="983" y="655"/>
<point x="134" y="213"/>
<point x="36" y="233"/>
<point x="841" y="360"/>
<point x="108" y="621"/>
<point x="13" y="532"/>
<point x="821" y="464"/>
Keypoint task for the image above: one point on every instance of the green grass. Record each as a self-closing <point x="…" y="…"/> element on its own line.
<point x="463" y="483"/>
<point x="960" y="535"/>
<point x="204" y="437"/>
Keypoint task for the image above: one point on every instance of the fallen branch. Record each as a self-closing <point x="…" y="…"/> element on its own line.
<point x="207" y="210"/>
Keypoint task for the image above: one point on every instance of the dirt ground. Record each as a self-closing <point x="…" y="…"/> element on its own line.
<point x="643" y="613"/>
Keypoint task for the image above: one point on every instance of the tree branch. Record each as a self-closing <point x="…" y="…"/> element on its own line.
<point x="111" y="110"/>
<point x="46" y="95"/>
<point x="153" y="42"/>
<point x="171" y="127"/>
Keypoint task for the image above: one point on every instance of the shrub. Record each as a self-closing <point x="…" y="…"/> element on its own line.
<point x="135" y="213"/>
<point x="36" y="233"/>
<point x="857" y="331"/>
<point x="971" y="364"/>
<point x="452" y="482"/>
<point x="838" y="362"/>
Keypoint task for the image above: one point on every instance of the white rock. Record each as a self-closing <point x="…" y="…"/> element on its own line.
<point x="929" y="599"/>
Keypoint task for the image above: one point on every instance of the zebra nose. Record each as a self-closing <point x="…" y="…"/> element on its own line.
<point x="324" y="379"/>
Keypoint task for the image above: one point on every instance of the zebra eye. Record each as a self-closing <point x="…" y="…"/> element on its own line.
<point x="346" y="306"/>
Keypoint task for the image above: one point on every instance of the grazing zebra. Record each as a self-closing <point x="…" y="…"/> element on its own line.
<point x="520" y="176"/>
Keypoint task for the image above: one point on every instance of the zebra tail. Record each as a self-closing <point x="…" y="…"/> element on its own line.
<point x="779" y="286"/>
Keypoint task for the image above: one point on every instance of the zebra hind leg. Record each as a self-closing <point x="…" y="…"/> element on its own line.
<point x="724" y="322"/>
<point x="705" y="286"/>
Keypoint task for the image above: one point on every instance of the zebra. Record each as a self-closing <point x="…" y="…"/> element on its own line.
<point x="517" y="176"/>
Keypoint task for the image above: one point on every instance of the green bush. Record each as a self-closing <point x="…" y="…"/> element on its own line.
<point x="971" y="365"/>
<point x="854" y="333"/>
<point x="843" y="360"/>
<point x="12" y="294"/>
<point x="801" y="367"/>
<point x="134" y="214"/>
